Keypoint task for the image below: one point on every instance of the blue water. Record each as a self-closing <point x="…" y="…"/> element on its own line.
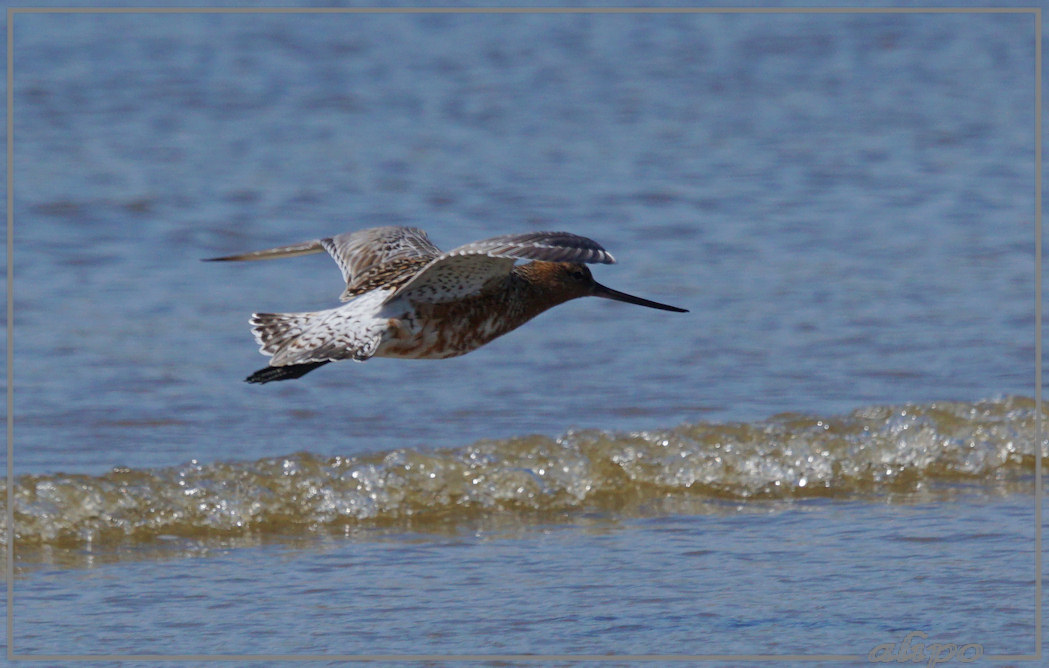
<point x="844" y="202"/>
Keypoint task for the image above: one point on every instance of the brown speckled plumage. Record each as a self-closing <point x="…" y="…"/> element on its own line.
<point x="409" y="300"/>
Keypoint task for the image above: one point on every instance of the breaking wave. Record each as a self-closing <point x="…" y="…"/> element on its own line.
<point x="897" y="453"/>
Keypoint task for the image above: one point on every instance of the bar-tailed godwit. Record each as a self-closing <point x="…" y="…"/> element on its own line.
<point x="408" y="299"/>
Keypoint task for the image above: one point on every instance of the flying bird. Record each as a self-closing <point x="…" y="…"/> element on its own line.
<point x="407" y="299"/>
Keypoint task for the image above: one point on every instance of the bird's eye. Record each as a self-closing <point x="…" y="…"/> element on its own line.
<point x="577" y="274"/>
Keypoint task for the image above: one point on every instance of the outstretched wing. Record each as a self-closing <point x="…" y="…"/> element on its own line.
<point x="376" y="256"/>
<point x="367" y="258"/>
<point x="294" y="250"/>
<point x="463" y="271"/>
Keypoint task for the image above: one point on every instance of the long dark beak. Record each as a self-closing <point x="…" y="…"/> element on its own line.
<point x="609" y="293"/>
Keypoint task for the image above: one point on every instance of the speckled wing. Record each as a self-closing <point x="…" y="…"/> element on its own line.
<point x="463" y="271"/>
<point x="378" y="256"/>
<point x="367" y="258"/>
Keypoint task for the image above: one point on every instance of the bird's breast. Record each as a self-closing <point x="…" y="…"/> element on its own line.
<point x="436" y="331"/>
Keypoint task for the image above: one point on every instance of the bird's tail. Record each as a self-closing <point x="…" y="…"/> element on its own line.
<point x="278" y="334"/>
<point x="300" y="342"/>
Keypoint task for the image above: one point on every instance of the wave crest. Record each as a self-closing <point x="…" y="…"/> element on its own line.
<point x="893" y="451"/>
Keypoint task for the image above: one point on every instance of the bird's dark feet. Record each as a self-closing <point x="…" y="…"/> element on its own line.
<point x="288" y="372"/>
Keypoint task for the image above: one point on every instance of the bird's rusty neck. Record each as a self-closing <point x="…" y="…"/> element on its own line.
<point x="540" y="286"/>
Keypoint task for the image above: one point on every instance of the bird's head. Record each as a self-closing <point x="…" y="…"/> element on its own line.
<point x="570" y="280"/>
